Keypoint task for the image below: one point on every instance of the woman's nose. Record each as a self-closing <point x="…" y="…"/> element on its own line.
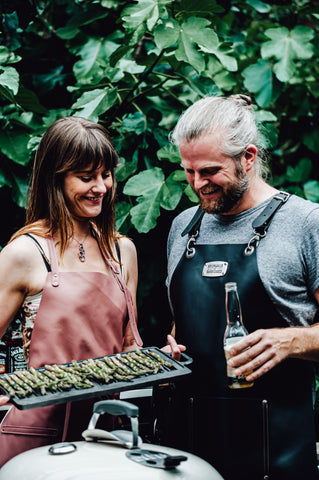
<point x="100" y="185"/>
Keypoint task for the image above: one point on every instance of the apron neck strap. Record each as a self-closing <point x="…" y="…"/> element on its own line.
<point x="54" y="263"/>
<point x="129" y="302"/>
<point x="194" y="224"/>
<point x="262" y="222"/>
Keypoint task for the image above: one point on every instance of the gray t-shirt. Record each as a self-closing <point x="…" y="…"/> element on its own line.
<point x="287" y="258"/>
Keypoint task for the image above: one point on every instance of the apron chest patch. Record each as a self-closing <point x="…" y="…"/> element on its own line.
<point x="215" y="269"/>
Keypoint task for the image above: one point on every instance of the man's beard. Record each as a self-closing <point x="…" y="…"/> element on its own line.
<point x="229" y="196"/>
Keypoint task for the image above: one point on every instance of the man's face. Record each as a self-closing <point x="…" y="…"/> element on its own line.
<point x="219" y="182"/>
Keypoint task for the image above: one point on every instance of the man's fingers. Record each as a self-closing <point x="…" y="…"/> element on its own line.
<point x="173" y="347"/>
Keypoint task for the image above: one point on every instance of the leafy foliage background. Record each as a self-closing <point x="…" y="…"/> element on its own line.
<point x="134" y="66"/>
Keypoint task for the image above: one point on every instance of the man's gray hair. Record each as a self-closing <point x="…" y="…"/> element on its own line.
<point x="230" y="119"/>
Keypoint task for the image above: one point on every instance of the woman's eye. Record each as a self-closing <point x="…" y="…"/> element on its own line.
<point x="85" y="179"/>
<point x="106" y="175"/>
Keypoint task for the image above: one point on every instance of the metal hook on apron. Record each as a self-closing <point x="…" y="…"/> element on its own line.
<point x="190" y="247"/>
<point x="253" y="243"/>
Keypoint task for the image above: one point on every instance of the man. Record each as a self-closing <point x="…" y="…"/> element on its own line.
<point x="247" y="232"/>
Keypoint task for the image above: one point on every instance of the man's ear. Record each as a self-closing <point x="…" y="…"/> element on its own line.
<point x="249" y="157"/>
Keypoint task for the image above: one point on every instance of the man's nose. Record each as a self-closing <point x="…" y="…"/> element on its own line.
<point x="199" y="181"/>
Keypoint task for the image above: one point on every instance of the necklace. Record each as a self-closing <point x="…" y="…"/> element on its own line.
<point x="81" y="253"/>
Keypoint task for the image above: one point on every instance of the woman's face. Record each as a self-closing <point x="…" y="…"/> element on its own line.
<point x="84" y="190"/>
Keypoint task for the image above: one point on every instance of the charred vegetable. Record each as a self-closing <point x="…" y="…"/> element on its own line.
<point x="82" y="374"/>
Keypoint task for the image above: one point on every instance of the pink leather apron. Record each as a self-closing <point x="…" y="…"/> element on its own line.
<point x="81" y="315"/>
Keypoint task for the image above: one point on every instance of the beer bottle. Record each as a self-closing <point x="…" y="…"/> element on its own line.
<point x="3" y="356"/>
<point x="14" y="358"/>
<point x="234" y="332"/>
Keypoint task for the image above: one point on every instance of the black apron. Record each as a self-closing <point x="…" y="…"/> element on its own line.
<point x="263" y="432"/>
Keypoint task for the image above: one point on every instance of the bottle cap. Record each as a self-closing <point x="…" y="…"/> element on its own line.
<point x="230" y="286"/>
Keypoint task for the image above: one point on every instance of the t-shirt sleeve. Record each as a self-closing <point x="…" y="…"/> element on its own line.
<point x="310" y="248"/>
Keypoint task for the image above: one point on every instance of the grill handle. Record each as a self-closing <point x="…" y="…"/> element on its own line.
<point x="116" y="407"/>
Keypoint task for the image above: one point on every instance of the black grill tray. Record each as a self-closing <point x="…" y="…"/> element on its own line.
<point x="35" y="399"/>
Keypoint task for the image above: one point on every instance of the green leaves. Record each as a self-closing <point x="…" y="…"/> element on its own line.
<point x="261" y="7"/>
<point x="287" y="46"/>
<point x="9" y="79"/>
<point x="311" y="190"/>
<point x="169" y="152"/>
<point x="166" y="33"/>
<point x="300" y="173"/>
<point x="144" y="12"/>
<point x="194" y="32"/>
<point x="153" y="192"/>
<point x="92" y="13"/>
<point x="92" y="104"/>
<point x="13" y="144"/>
<point x="192" y="39"/>
<point x="94" y="55"/>
<point x="135" y="66"/>
<point x="259" y="80"/>
<point x="126" y="168"/>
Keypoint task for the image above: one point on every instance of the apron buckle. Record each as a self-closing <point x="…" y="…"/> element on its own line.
<point x="253" y="243"/>
<point x="190" y="247"/>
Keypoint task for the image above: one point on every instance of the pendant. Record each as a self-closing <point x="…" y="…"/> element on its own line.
<point x="81" y="252"/>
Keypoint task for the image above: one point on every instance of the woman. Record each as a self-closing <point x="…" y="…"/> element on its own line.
<point x="62" y="276"/>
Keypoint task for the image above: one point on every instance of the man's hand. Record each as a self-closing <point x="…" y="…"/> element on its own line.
<point x="261" y="350"/>
<point x="174" y="348"/>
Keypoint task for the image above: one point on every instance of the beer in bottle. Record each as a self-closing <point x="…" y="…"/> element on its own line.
<point x="234" y="332"/>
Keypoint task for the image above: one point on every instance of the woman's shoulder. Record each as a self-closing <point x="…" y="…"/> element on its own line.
<point x="126" y="244"/>
<point x="21" y="265"/>
<point x="19" y="251"/>
<point x="128" y="255"/>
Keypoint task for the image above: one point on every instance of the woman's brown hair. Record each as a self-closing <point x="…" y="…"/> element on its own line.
<point x="70" y="143"/>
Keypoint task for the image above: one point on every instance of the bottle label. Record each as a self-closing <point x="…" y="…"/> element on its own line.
<point x="15" y="359"/>
<point x="3" y="356"/>
<point x="234" y="381"/>
<point x="2" y="363"/>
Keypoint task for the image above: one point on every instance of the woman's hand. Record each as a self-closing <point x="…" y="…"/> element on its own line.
<point x="4" y="400"/>
<point x="174" y="348"/>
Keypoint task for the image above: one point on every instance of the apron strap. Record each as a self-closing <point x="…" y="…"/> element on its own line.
<point x="262" y="222"/>
<point x="54" y="263"/>
<point x="130" y="308"/>
<point x="194" y="224"/>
